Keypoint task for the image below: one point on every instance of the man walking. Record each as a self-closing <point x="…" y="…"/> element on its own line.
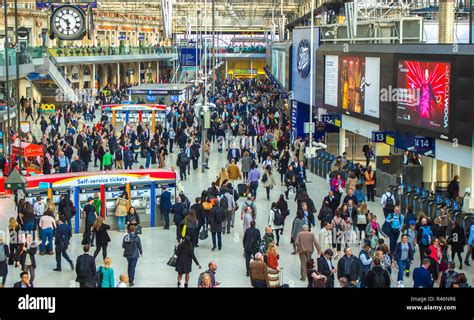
<point x="132" y="251"/>
<point x="85" y="269"/>
<point x="63" y="234"/>
<point x="305" y="243"/>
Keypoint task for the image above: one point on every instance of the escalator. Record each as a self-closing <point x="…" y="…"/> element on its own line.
<point x="51" y="83"/>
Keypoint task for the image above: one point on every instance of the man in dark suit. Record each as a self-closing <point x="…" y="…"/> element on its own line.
<point x="300" y="172"/>
<point x="24" y="283"/>
<point x="165" y="206"/>
<point x="332" y="201"/>
<point x="85" y="269"/>
<point x="326" y="267"/>
<point x="234" y="153"/>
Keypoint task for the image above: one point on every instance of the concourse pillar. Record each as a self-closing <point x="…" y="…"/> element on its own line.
<point x="446" y="21"/>
<point x="342" y="141"/>
<point x="118" y="75"/>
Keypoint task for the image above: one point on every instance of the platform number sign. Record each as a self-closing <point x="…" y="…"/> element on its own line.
<point x="424" y="146"/>
<point x="378" y="137"/>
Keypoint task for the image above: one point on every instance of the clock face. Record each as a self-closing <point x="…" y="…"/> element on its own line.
<point x="68" y="22"/>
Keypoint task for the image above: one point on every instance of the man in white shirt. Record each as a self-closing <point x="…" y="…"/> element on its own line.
<point x="388" y="202"/>
<point x="38" y="209"/>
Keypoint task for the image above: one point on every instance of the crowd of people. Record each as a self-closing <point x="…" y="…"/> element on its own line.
<point x="249" y="125"/>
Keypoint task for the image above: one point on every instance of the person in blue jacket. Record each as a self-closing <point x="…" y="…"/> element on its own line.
<point x="422" y="277"/>
<point x="396" y="222"/>
<point x="470" y="244"/>
<point x="165" y="205"/>
<point x="403" y="258"/>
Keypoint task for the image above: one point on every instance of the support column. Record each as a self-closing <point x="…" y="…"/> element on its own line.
<point x="118" y="75"/>
<point x="342" y="141"/>
<point x="157" y="71"/>
<point x="430" y="173"/>
<point x="226" y="69"/>
<point x="139" y="73"/>
<point x="93" y="77"/>
<point x="446" y="21"/>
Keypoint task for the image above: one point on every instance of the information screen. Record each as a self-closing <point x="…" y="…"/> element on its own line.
<point x="423" y="98"/>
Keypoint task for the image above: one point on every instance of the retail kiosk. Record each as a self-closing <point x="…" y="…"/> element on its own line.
<point x="143" y="187"/>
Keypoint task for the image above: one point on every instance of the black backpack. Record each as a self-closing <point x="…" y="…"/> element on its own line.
<point x="130" y="247"/>
<point x="219" y="215"/>
<point x="224" y="202"/>
<point x="98" y="278"/>
<point x="277" y="218"/>
<point x="379" y="280"/>
<point x="264" y="178"/>
<point x="389" y="204"/>
<point x="82" y="269"/>
<point x="118" y="155"/>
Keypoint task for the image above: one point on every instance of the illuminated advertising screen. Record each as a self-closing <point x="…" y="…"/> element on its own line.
<point x="423" y="98"/>
<point x="353" y="84"/>
<point x="279" y="66"/>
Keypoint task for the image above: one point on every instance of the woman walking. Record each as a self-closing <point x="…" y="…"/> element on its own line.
<point x="275" y="221"/>
<point x="185" y="257"/>
<point x="246" y="162"/>
<point x="4" y="252"/>
<point x="268" y="181"/>
<point x="102" y="237"/>
<point x="457" y="241"/>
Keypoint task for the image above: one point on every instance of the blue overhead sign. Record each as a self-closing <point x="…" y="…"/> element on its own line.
<point x="189" y="57"/>
<point x="332" y="119"/>
<point x="387" y="137"/>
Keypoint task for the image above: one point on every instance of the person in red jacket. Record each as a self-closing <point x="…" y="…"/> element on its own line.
<point x="272" y="256"/>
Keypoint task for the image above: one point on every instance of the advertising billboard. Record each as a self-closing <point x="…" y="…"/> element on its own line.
<point x="331" y="67"/>
<point x="279" y="65"/>
<point x="301" y="63"/>
<point x="353" y="84"/>
<point x="423" y="98"/>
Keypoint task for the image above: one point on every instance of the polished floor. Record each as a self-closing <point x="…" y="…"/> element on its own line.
<point x="158" y="244"/>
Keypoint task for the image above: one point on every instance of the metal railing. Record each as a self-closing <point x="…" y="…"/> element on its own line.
<point x="106" y="51"/>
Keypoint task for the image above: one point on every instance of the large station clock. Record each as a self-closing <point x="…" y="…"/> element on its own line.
<point x="68" y="22"/>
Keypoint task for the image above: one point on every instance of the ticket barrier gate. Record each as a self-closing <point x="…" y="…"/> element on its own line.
<point x="408" y="191"/>
<point x="327" y="165"/>
<point x="319" y="163"/>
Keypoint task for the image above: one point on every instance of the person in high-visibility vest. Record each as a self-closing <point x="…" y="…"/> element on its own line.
<point x="370" y="183"/>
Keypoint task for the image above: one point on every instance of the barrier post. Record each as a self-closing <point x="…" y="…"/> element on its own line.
<point x="152" y="122"/>
<point x="127" y="188"/>
<point x="127" y="113"/>
<point x="50" y="193"/>
<point x="103" y="200"/>
<point x="152" y="203"/>
<point x="78" y="210"/>
<point x="114" y="122"/>
<point x="140" y="116"/>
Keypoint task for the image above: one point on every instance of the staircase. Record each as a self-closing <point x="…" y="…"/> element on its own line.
<point x="51" y="83"/>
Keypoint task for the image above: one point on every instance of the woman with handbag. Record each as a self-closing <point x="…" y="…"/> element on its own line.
<point x="315" y="279"/>
<point x="373" y="231"/>
<point x="191" y="223"/>
<point x="457" y="241"/>
<point x="362" y="220"/>
<point x="121" y="210"/>
<point x="133" y="219"/>
<point x="337" y="187"/>
<point x="102" y="237"/>
<point x="184" y="259"/>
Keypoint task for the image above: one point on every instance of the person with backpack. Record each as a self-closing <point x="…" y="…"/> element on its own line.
<point x="251" y="243"/>
<point x="90" y="216"/>
<point x="179" y="211"/>
<point x="27" y="257"/>
<point x="4" y="254"/>
<point x="395" y="220"/>
<point x="249" y="203"/>
<point x="403" y="257"/>
<point x="228" y="203"/>
<point x="85" y="269"/>
<point x="217" y="218"/>
<point x="365" y="262"/>
<point x="105" y="275"/>
<point x="128" y="158"/>
<point x="211" y="273"/>
<point x="268" y="180"/>
<point x="182" y="162"/>
<point x="388" y="202"/>
<point x="119" y="155"/>
<point x="378" y="277"/>
<point x="132" y="246"/>
<point x="425" y="235"/>
<point x="61" y="241"/>
<point x="448" y="276"/>
<point x="276" y="221"/>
